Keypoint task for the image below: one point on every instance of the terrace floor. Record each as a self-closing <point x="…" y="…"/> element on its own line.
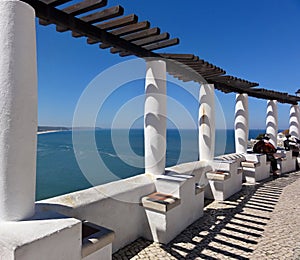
<point x="259" y="222"/>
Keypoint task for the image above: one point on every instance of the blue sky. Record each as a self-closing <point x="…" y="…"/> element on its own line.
<point x="256" y="40"/>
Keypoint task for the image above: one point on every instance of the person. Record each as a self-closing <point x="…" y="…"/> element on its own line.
<point x="290" y="145"/>
<point x="265" y="147"/>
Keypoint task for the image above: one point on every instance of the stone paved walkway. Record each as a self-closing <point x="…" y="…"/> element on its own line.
<point x="260" y="222"/>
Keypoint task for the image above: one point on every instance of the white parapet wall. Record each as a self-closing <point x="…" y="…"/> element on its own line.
<point x="117" y="205"/>
<point x="114" y="205"/>
<point x="18" y="105"/>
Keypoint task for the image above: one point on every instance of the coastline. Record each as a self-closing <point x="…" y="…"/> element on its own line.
<point x="48" y="132"/>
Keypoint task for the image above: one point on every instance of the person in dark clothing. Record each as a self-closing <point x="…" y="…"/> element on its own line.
<point x="265" y="147"/>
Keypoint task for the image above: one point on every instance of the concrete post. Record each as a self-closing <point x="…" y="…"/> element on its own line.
<point x="207" y="122"/>
<point x="155" y="117"/>
<point x="18" y="106"/>
<point x="295" y="121"/>
<point x="241" y="123"/>
<point x="272" y="121"/>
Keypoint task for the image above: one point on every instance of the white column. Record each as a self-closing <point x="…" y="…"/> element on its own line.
<point x="207" y="122"/>
<point x="241" y="123"/>
<point x="155" y="117"/>
<point x="295" y="121"/>
<point x="272" y="121"/>
<point x="18" y="110"/>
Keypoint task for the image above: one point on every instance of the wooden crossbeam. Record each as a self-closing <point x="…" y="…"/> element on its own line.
<point x="106" y="14"/>
<point x="163" y="44"/>
<point x="179" y="56"/>
<point x="145" y="41"/>
<point x="132" y="28"/>
<point x="109" y="25"/>
<point x="55" y="2"/>
<point x="136" y="36"/>
<point x="155" y="46"/>
<point x="84" y="6"/>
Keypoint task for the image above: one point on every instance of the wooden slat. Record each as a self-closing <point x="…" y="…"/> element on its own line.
<point x="149" y="40"/>
<point x="55" y="2"/>
<point x="106" y="14"/>
<point x="132" y="28"/>
<point x="152" y="39"/>
<point x="136" y="36"/>
<point x="154" y="46"/>
<point x="109" y="25"/>
<point x="160" y="45"/>
<point x="120" y="22"/>
<point x="179" y="56"/>
<point x="84" y="6"/>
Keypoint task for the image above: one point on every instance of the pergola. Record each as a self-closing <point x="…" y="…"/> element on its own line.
<point x="124" y="35"/>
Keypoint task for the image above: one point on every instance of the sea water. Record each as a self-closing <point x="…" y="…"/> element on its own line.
<point x="119" y="155"/>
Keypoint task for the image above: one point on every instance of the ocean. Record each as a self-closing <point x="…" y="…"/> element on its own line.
<point x="58" y="170"/>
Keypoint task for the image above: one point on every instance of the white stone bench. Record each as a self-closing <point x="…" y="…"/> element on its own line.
<point x="255" y="168"/>
<point x="178" y="201"/>
<point x="286" y="161"/>
<point x="226" y="178"/>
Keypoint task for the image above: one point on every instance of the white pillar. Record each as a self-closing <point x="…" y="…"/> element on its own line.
<point x="295" y="121"/>
<point x="155" y="117"/>
<point x="272" y="121"/>
<point x="241" y="123"/>
<point x="207" y="122"/>
<point x="18" y="110"/>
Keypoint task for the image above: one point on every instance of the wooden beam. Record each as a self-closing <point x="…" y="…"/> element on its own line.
<point x="154" y="46"/>
<point x="55" y="2"/>
<point x="123" y="21"/>
<point x="132" y="28"/>
<point x="136" y="36"/>
<point x="84" y="6"/>
<point x="109" y="25"/>
<point x="60" y="18"/>
<point x="145" y="41"/>
<point x="163" y="44"/>
<point x="106" y="14"/>
<point x="178" y="56"/>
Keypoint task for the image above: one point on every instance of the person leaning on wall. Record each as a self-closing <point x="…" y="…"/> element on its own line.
<point x="265" y="147"/>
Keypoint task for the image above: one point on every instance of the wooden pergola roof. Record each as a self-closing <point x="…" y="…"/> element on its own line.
<point x="191" y="68"/>
<point x="124" y="35"/>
